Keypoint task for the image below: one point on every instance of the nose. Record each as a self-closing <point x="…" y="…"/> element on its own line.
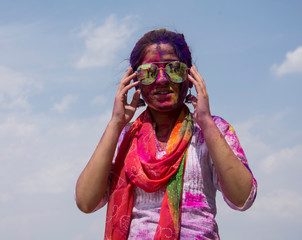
<point x="162" y="77"/>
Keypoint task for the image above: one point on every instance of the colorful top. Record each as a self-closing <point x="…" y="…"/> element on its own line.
<point x="200" y="184"/>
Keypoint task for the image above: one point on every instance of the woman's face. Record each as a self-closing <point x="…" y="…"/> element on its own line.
<point x="163" y="95"/>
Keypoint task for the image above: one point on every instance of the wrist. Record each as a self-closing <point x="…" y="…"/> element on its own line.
<point x="206" y="123"/>
<point x="116" y="126"/>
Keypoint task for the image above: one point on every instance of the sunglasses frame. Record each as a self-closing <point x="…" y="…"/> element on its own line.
<point x="164" y="68"/>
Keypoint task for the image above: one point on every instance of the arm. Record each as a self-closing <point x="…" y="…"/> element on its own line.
<point x="235" y="179"/>
<point x="92" y="183"/>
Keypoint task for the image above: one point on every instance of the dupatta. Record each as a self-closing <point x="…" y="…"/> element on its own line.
<point x="136" y="165"/>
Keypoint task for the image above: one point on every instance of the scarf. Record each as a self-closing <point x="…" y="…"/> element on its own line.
<point x="136" y="165"/>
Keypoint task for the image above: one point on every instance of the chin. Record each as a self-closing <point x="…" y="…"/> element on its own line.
<point x="166" y="107"/>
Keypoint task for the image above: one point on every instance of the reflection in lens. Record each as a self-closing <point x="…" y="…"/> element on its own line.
<point x="176" y="71"/>
<point x="147" y="73"/>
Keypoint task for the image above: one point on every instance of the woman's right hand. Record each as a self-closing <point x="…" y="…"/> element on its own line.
<point x="92" y="183"/>
<point x="122" y="111"/>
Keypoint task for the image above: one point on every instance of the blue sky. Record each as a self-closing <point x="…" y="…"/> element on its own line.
<point x="60" y="64"/>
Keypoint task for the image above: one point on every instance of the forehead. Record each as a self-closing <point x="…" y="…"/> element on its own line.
<point x="158" y="52"/>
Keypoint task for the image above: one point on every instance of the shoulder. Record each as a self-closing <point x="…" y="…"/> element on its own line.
<point x="123" y="133"/>
<point x="125" y="129"/>
<point x="221" y="123"/>
<point x="224" y="127"/>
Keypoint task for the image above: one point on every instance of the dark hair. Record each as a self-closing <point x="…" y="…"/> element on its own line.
<point x="176" y="40"/>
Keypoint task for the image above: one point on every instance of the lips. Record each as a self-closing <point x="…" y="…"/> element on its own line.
<point x="162" y="92"/>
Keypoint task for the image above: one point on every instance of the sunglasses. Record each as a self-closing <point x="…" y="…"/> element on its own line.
<point x="177" y="72"/>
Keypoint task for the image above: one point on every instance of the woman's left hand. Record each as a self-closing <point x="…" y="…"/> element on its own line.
<point x="235" y="179"/>
<point x="200" y="103"/>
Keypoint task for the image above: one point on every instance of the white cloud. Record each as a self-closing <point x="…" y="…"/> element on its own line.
<point x="44" y="155"/>
<point x="24" y="223"/>
<point x="251" y="140"/>
<point x="15" y="89"/>
<point x="99" y="100"/>
<point x="283" y="159"/>
<point x="5" y="197"/>
<point x="12" y="128"/>
<point x="279" y="204"/>
<point x="103" y="42"/>
<point x="291" y="64"/>
<point x="65" y="103"/>
<point x="95" y="228"/>
<point x="51" y="181"/>
<point x="19" y="138"/>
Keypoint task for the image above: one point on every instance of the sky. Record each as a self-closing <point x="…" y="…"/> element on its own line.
<point x="60" y="65"/>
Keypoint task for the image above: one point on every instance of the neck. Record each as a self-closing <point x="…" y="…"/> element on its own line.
<point x="164" y="123"/>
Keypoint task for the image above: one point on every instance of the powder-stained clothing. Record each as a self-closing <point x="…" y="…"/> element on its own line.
<point x="200" y="184"/>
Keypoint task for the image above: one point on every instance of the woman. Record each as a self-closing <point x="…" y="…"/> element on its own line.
<point x="162" y="182"/>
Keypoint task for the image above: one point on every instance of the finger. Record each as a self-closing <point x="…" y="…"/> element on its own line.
<point x="126" y="88"/>
<point x="135" y="98"/>
<point x="127" y="78"/>
<point x="198" y="78"/>
<point x="197" y="85"/>
<point x="126" y="81"/>
<point x="195" y="72"/>
<point x="123" y="89"/>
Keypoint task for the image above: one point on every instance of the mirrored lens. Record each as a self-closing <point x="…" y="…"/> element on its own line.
<point x="177" y="71"/>
<point x="147" y="73"/>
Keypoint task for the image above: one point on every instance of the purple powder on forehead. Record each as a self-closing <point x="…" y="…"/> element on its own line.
<point x="176" y="40"/>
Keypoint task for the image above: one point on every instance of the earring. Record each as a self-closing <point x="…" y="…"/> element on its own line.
<point x="188" y="98"/>
<point x="141" y="103"/>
